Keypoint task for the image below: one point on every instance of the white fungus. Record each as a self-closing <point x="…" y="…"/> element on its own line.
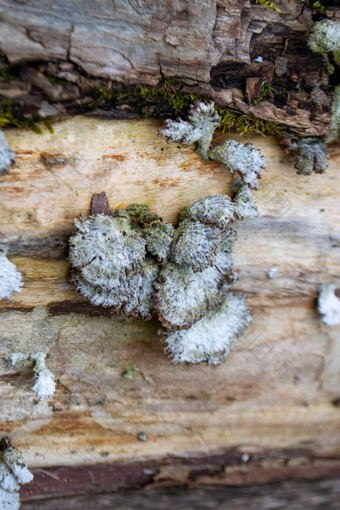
<point x="13" y="473"/>
<point x="44" y="385"/>
<point x="329" y="305"/>
<point x="213" y="337"/>
<point x="200" y="126"/>
<point x="10" y="278"/>
<point x="7" y="156"/>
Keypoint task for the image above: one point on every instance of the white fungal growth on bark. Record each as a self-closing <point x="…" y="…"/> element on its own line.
<point x="7" y="156"/>
<point x="10" y="278"/>
<point x="184" y="296"/>
<point x="44" y="385"/>
<point x="44" y="379"/>
<point x="213" y="337"/>
<point x="215" y="209"/>
<point x="116" y="258"/>
<point x="13" y="473"/>
<point x="244" y="204"/>
<point x="329" y="305"/>
<point x="200" y="127"/>
<point x="242" y="159"/>
<point x="334" y="130"/>
<point x="201" y="320"/>
<point x="325" y="38"/>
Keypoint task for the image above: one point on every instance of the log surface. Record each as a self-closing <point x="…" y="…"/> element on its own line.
<point x="276" y="396"/>
<point x="227" y="49"/>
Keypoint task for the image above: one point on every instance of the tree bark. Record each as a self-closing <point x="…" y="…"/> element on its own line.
<point x="226" y="49"/>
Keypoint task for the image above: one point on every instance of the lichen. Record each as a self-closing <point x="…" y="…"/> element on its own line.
<point x="244" y="204"/>
<point x="13" y="473"/>
<point x="334" y="130"/>
<point x="242" y="159"/>
<point x="129" y="260"/>
<point x="116" y="258"/>
<point x="329" y="305"/>
<point x="200" y="127"/>
<point x="325" y="38"/>
<point x="44" y="385"/>
<point x="10" y="278"/>
<point x="211" y="338"/>
<point x="192" y="292"/>
<point x="311" y="154"/>
<point x="7" y="156"/>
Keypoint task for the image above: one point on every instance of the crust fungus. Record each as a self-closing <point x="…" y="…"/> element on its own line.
<point x="7" y="156"/>
<point x="329" y="305"/>
<point x="13" y="473"/>
<point x="44" y="385"/>
<point x="10" y="278"/>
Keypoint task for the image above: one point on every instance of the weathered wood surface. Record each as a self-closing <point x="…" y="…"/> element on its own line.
<point x="276" y="397"/>
<point x="209" y="46"/>
<point x="317" y="495"/>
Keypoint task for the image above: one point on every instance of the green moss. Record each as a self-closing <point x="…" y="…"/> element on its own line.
<point x="268" y="4"/>
<point x="7" y="118"/>
<point x="266" y="89"/>
<point x="6" y="75"/>
<point x="58" y="81"/>
<point x="179" y="102"/>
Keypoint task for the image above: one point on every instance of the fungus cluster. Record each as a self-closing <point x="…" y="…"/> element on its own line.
<point x="129" y="260"/>
<point x="13" y="473"/>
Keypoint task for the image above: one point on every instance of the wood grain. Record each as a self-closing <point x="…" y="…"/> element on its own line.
<point x="278" y="390"/>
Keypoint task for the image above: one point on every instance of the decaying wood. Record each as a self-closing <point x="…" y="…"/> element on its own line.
<point x="276" y="398"/>
<point x="314" y="495"/>
<point x="210" y="47"/>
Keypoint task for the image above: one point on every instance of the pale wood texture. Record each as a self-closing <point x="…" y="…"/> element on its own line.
<point x="209" y="46"/>
<point x="278" y="390"/>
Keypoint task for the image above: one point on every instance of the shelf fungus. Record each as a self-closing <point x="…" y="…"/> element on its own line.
<point x="44" y="385"/>
<point x="10" y="278"/>
<point x="329" y="305"/>
<point x="116" y="256"/>
<point x="192" y="297"/>
<point x="13" y="473"/>
<point x="242" y="159"/>
<point x="7" y="156"/>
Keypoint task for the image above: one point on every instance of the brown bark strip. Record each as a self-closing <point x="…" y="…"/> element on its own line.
<point x="222" y="470"/>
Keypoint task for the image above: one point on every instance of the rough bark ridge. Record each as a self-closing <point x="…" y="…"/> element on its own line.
<point x="209" y="46"/>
